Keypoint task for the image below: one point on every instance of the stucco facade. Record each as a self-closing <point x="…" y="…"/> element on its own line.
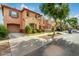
<point x="31" y="18"/>
<point x="24" y="17"/>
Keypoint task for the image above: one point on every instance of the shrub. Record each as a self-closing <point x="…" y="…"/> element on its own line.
<point x="28" y="29"/>
<point x="59" y="33"/>
<point x="42" y="30"/>
<point x="50" y="34"/>
<point x="38" y="30"/>
<point x="52" y="29"/>
<point x="34" y="31"/>
<point x="3" y="31"/>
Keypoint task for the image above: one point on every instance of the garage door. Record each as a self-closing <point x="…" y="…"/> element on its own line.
<point x="13" y="28"/>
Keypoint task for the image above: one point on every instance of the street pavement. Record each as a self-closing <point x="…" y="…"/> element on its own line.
<point x="72" y="38"/>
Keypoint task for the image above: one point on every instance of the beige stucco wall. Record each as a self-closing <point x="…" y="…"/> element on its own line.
<point x="32" y="20"/>
<point x="29" y="19"/>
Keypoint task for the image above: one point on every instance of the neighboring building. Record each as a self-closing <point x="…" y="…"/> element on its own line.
<point x="49" y="24"/>
<point x="16" y="20"/>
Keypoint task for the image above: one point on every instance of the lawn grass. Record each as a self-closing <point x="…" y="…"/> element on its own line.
<point x="39" y="33"/>
<point x="44" y="34"/>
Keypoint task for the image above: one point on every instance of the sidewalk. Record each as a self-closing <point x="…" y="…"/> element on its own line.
<point x="31" y="36"/>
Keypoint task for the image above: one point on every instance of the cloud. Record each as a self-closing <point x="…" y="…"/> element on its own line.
<point x="24" y="6"/>
<point x="77" y="15"/>
<point x="32" y="9"/>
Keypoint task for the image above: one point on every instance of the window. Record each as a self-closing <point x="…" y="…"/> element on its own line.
<point x="35" y="16"/>
<point x="13" y="14"/>
<point x="27" y="14"/>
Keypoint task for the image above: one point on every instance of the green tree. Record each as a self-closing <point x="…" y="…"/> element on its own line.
<point x="73" y="22"/>
<point x="63" y="14"/>
<point x="55" y="11"/>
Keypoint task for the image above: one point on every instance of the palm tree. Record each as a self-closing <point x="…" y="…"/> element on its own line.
<point x="55" y="11"/>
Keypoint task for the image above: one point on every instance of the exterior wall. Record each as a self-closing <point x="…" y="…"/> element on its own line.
<point x="29" y="19"/>
<point x="41" y="23"/>
<point x="47" y="24"/>
<point x="23" y="19"/>
<point x="31" y="14"/>
<point x="10" y="20"/>
<point x="32" y="20"/>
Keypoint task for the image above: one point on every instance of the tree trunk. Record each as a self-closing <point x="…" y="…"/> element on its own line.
<point x="61" y="27"/>
<point x="64" y="24"/>
<point x="54" y="29"/>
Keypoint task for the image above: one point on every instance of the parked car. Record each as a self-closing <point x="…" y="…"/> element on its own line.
<point x="74" y="30"/>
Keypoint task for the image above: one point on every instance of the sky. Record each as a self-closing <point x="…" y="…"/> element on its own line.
<point x="74" y="7"/>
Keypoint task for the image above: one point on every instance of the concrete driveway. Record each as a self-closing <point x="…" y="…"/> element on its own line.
<point x="16" y="35"/>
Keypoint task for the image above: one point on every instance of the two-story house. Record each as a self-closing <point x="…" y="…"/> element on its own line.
<point x="15" y="20"/>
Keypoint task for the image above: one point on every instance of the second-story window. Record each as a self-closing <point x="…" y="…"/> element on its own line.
<point x="27" y="14"/>
<point x="35" y="16"/>
<point x="13" y="14"/>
